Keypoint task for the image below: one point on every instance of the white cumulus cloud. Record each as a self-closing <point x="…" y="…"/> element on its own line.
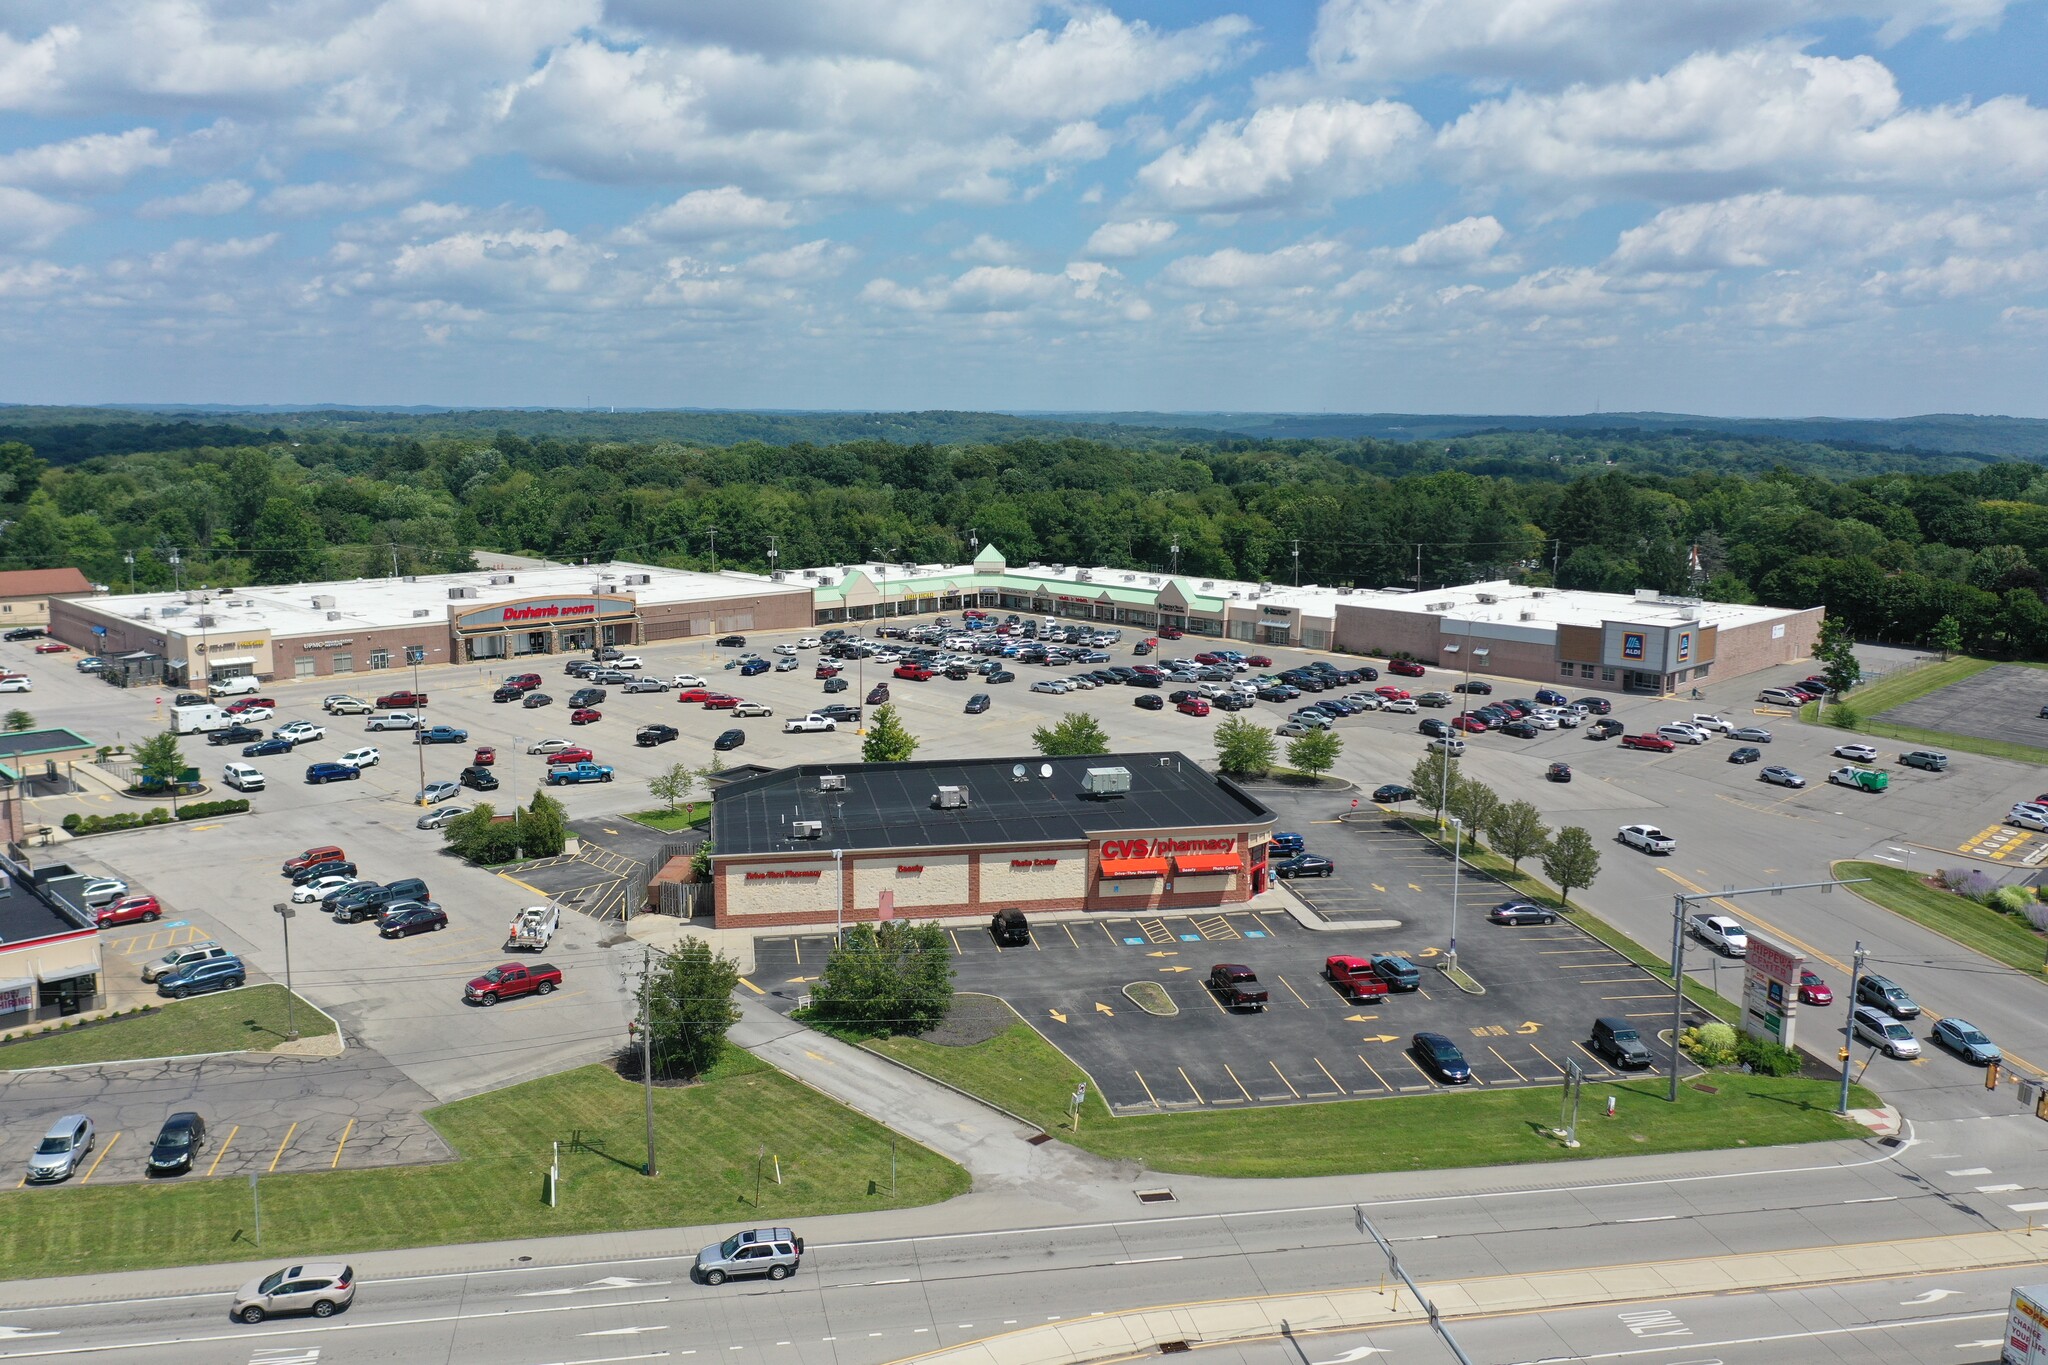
<point x="91" y="164"/>
<point x="1132" y="237"/>
<point x="1281" y="156"/>
<point x="29" y="220"/>
<point x="211" y="199"/>
<point x="715" y="213"/>
<point x="1231" y="268"/>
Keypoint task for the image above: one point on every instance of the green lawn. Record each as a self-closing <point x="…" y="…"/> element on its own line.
<point x="1023" y="1073"/>
<point x="2000" y="937"/>
<point x="1869" y="703"/>
<point x="253" y="1019"/>
<point x="833" y="1161"/>
<point x="682" y="817"/>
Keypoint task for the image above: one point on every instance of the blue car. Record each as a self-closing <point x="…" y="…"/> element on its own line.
<point x="1288" y="844"/>
<point x="440" y="734"/>
<point x="754" y="666"/>
<point x="1441" y="1056"/>
<point x="264" y="747"/>
<point x="331" y="772"/>
<point x="216" y="974"/>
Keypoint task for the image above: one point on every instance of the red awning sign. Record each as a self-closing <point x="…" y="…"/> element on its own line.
<point x="1203" y="864"/>
<point x="1134" y="867"/>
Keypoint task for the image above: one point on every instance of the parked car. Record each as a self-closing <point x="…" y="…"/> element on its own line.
<point x="731" y="739"/>
<point x="1354" y="978"/>
<point x="1750" y="734"/>
<point x="1863" y="779"/>
<point x="1405" y="668"/>
<point x="478" y="779"/>
<point x="585" y="715"/>
<point x="139" y="909"/>
<point x="1558" y="772"/>
<point x="977" y="704"/>
<point x="1930" y="760"/>
<point x="1860" y="753"/>
<point x="1781" y="776"/>
<point x="411" y="917"/>
<point x="1397" y="971"/>
<point x="219" y="974"/>
<point x="1521" y="912"/>
<point x="647" y="736"/>
<point x="184" y="955"/>
<point x="1881" y="992"/>
<point x="440" y="734"/>
<point x="1476" y="688"/>
<point x="177" y="1143"/>
<point x="327" y="867"/>
<point x="1237" y="986"/>
<point x="1304" y="865"/>
<point x="1654" y="743"/>
<point x="63" y="1149"/>
<point x="1746" y="754"/>
<point x="1393" y="791"/>
<point x="436" y="792"/>
<point x="1441" y="1057"/>
<point x="318" y="1288"/>
<point x="1604" y="729"/>
<point x="440" y="815"/>
<point x="1617" y="1040"/>
<point x="534" y="700"/>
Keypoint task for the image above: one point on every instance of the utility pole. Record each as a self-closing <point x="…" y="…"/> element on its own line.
<point x="1855" y="978"/>
<point x="394" y="561"/>
<point x="1556" y="552"/>
<point x="128" y="558"/>
<point x="177" y="581"/>
<point x="973" y="542"/>
<point x="291" y="1023"/>
<point x="1418" y="566"/>
<point x="1175" y="552"/>
<point x="647" y="1052"/>
<point x="1297" y="561"/>
<point x="773" y="555"/>
<point x="714" y="549"/>
<point x="413" y="655"/>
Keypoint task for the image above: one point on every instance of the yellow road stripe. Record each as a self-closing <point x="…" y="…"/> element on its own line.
<point x="752" y="987"/>
<point x="224" y="1149"/>
<point x="1283" y="1079"/>
<point x="1506" y="1063"/>
<point x="281" y="1146"/>
<point x="1326" y="1071"/>
<point x="101" y="1157"/>
<point x="1148" y="1089"/>
<point x="341" y="1144"/>
<point x="1190" y="1085"/>
<point x="1291" y="991"/>
<point x="1545" y="1056"/>
<point x="1238" y="1083"/>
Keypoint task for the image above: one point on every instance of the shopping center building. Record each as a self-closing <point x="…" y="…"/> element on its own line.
<point x="317" y="630"/>
<point x="837" y="843"/>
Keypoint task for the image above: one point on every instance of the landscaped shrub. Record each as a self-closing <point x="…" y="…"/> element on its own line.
<point x="199" y="810"/>
<point x="1711" y="1044"/>
<point x="2037" y="915"/>
<point x="2011" y="899"/>
<point x="126" y="819"/>
<point x="1765" y="1057"/>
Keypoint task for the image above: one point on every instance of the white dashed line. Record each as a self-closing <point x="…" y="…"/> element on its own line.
<point x="1970" y="1170"/>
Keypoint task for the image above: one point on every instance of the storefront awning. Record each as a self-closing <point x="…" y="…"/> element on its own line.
<point x="11" y="985"/>
<point x="1203" y="864"/>
<point x="249" y="659"/>
<point x="68" y="969"/>
<point x="1134" y="867"/>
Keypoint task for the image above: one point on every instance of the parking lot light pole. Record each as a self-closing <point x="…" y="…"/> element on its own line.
<point x="1457" y="862"/>
<point x="413" y="655"/>
<point x="291" y="1022"/>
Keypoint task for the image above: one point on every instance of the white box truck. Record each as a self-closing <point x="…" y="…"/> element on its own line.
<point x="2026" y="1327"/>
<point x="192" y="720"/>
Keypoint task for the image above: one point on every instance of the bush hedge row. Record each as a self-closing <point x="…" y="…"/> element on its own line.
<point x="155" y="815"/>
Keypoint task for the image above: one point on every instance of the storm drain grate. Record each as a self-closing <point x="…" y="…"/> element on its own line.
<point x="1156" y="1197"/>
<point x="1172" y="1348"/>
<point x="1038" y="1139"/>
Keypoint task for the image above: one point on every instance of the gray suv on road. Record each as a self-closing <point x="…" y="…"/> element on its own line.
<point x="774" y="1252"/>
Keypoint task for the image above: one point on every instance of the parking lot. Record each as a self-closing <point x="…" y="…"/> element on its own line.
<point x="2003" y="702"/>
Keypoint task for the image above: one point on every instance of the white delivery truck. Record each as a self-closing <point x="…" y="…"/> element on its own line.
<point x="2026" y="1327"/>
<point x="192" y="720"/>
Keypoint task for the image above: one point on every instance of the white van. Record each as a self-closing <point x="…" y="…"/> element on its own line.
<point x="242" y="777"/>
<point x="1778" y="696"/>
<point x="245" y="685"/>
<point x="1682" y="734"/>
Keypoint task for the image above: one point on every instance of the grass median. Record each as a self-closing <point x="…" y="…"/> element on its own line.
<point x="687" y="816"/>
<point x="246" y="1020"/>
<point x="832" y="1160"/>
<point x="1022" y="1072"/>
<point x="2000" y="937"/>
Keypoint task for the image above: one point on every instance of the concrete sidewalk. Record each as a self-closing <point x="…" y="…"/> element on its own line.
<point x="1117" y="1336"/>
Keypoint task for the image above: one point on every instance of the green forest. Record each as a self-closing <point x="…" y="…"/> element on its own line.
<point x="1890" y="541"/>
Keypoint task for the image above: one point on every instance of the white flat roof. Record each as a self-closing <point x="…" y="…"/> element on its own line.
<point x="384" y="603"/>
<point x="1508" y="603"/>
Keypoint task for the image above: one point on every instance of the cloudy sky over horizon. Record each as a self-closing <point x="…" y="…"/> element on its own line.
<point x="1772" y="207"/>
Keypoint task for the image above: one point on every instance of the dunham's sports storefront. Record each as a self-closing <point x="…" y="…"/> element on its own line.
<point x="1121" y="872"/>
<point x="547" y="625"/>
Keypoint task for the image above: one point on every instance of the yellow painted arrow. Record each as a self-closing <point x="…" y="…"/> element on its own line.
<point x="1359" y="1018"/>
<point x="1427" y="952"/>
<point x="1380" y="1038"/>
<point x="1174" y="953"/>
<point x="1101" y="1008"/>
<point x="1176" y="969"/>
<point x="1413" y="887"/>
<point x="1057" y="1015"/>
<point x="1381" y="889"/>
<point x="799" y="980"/>
<point x="1529" y="1026"/>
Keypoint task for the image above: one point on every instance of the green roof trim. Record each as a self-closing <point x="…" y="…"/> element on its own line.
<point x="989" y="555"/>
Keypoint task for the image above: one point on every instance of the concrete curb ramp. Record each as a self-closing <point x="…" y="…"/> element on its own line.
<point x="1140" y="1332"/>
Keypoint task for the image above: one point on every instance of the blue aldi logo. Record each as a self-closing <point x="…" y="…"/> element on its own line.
<point x="1632" y="645"/>
<point x="1684" y="646"/>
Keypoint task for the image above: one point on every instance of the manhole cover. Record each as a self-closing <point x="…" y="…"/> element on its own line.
<point x="1156" y="1197"/>
<point x="1036" y="1139"/>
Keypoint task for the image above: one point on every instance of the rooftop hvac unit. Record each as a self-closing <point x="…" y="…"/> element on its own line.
<point x="195" y="595"/>
<point x="950" y="798"/>
<point x="499" y="580"/>
<point x="208" y="622"/>
<point x="1208" y="584"/>
<point x="776" y="575"/>
<point x="1345" y="592"/>
<point x="171" y="611"/>
<point x="334" y="616"/>
<point x="421" y="611"/>
<point x="811" y="574"/>
<point x="1265" y="588"/>
<point x="832" y="782"/>
<point x="1528" y="616"/>
<point x="1106" y="781"/>
<point x="410" y="578"/>
<point x="1084" y="576"/>
<point x="1441" y="606"/>
<point x="1130" y="578"/>
<point x="147" y="613"/>
<point x="1488" y="599"/>
<point x="1537" y="592"/>
<point x="322" y="603"/>
<point x="454" y="594"/>
<point x="807" y="829"/>
<point x="639" y="578"/>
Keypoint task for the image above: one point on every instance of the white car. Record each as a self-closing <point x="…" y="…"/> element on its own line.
<point x="251" y="714"/>
<point x="751" y="708"/>
<point x="813" y="642"/>
<point x="1720" y="932"/>
<point x="439" y="816"/>
<point x="241" y="686"/>
<point x="320" y="888"/>
<point x="1405" y="705"/>
<point x="103" y="891"/>
<point x="2027" y="815"/>
<point x="365" y="757"/>
<point x="799" y="725"/>
<point x="548" y="746"/>
<point x="626" y="661"/>
<point x="687" y="680"/>
<point x="16" y="685"/>
<point x="1053" y="685"/>
<point x="436" y="792"/>
<point x="785" y="649"/>
<point x="1542" y="720"/>
<point x="1085" y="684"/>
<point x="341" y="704"/>
<point x="1861" y="753"/>
<point x="299" y="731"/>
<point x="1714" y="723"/>
<point x="1648" y="838"/>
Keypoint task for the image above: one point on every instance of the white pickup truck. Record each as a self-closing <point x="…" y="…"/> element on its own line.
<point x="1718" y="931"/>
<point x="393" y="720"/>
<point x="1648" y="838"/>
<point x="799" y="725"/>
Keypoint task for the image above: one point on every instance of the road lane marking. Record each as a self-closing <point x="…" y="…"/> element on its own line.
<point x="101" y="1157"/>
<point x="1999" y="1189"/>
<point x="1238" y="1083"/>
<point x="1508" y="1064"/>
<point x="1283" y="1079"/>
<point x="1326" y="1071"/>
<point x="1375" y="1073"/>
<point x="223" y="1149"/>
<point x="350" y="1128"/>
<point x="752" y="987"/>
<point x="1190" y="1085"/>
<point x="1147" y="1089"/>
<point x="281" y="1146"/>
<point x="1291" y="991"/>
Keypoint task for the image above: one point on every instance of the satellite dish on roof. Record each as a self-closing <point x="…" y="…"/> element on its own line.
<point x="1045" y="770"/>
<point x="1017" y="771"/>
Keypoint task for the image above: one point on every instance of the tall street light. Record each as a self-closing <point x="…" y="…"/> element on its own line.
<point x="413" y="655"/>
<point x="1457" y="863"/>
<point x="291" y="1023"/>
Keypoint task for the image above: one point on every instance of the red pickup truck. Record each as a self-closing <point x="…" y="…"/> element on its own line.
<point x="1354" y="978"/>
<point x="401" y="699"/>
<point x="1237" y="986"/>
<point x="914" y="672"/>
<point x="510" y="980"/>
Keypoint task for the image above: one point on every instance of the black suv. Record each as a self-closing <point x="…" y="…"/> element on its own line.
<point x="353" y="904"/>
<point x="508" y="693"/>
<point x="478" y="778"/>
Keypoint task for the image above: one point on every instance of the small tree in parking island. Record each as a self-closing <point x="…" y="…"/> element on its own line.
<point x="479" y="837"/>
<point x="18" y="720"/>
<point x="1244" y="749"/>
<point x="1474" y="803"/>
<point x="1431" y="777"/>
<point x="159" y="760"/>
<point x="1074" y="735"/>
<point x="1314" y="753"/>
<point x="688" y="996"/>
<point x="1571" y="862"/>
<point x="674" y="787"/>
<point x="887" y="741"/>
<point x="892" y="977"/>
<point x="544" y="832"/>
<point x="1516" y="831"/>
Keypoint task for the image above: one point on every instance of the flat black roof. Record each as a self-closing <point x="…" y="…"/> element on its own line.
<point x="24" y="916"/>
<point x="889" y="805"/>
<point x="28" y="743"/>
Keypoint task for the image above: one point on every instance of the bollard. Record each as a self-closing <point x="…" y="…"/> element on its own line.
<point x="1610" y="1106"/>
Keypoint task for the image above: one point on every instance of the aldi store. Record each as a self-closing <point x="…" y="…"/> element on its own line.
<point x="833" y="844"/>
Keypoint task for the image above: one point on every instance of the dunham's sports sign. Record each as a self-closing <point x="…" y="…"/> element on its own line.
<point x="1164" y="848"/>
<point x="545" y="611"/>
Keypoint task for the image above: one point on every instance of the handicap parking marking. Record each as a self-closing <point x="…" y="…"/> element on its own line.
<point x="1190" y="938"/>
<point x="1138" y="942"/>
<point x="1215" y="927"/>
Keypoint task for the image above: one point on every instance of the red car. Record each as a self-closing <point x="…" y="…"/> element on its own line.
<point x="485" y="756"/>
<point x="1654" y="743"/>
<point x="695" y="694"/>
<point x="826" y="671"/>
<point x="1194" y="706"/>
<point x="129" y="910"/>
<point x="525" y="682"/>
<point x="52" y="647"/>
<point x="1391" y="693"/>
<point x="574" y="754"/>
<point x="404" y="700"/>
<point x="719" y="701"/>
<point x="584" y="715"/>
<point x="1258" y="661"/>
<point x="1206" y="658"/>
<point x="914" y="672"/>
<point x="1169" y="633"/>
<point x="1405" y="668"/>
<point x="1471" y="725"/>
<point x="1813" y="990"/>
<point x="249" y="704"/>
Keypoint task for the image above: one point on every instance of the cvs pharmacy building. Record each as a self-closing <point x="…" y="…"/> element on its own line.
<point x="832" y="844"/>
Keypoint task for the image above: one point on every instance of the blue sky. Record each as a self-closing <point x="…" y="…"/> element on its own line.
<point x="1771" y="207"/>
